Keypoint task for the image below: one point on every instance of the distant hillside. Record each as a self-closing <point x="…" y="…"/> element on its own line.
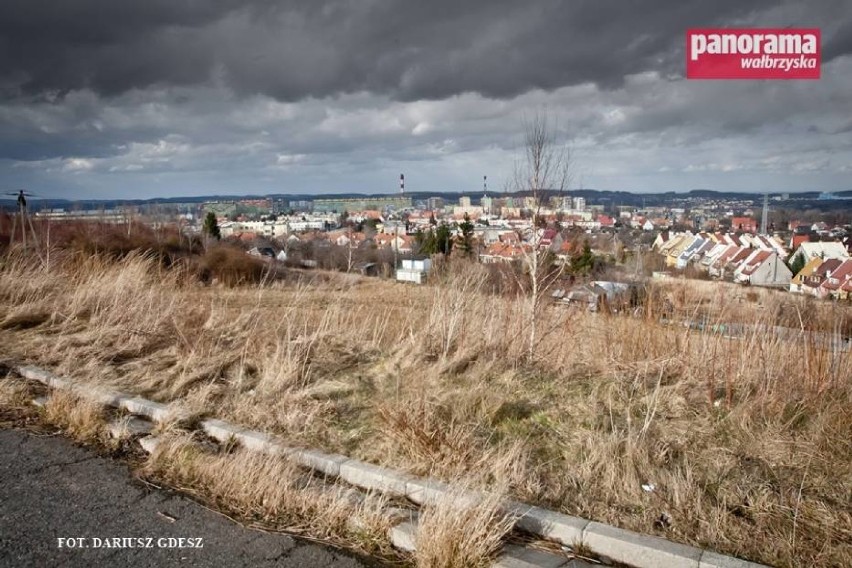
<point x="809" y="199"/>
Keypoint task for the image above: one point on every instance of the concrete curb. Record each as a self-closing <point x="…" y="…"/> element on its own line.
<point x="551" y="525"/>
<point x="154" y="410"/>
<point x="42" y="376"/>
<point x="220" y="430"/>
<point x="372" y="477"/>
<point x="641" y="551"/>
<point x="425" y="490"/>
<point x="149" y="443"/>
<point x="515" y="556"/>
<point x="328" y="464"/>
<point x="259" y="442"/>
<point x="626" y="546"/>
<point x="129" y="426"/>
<point x="711" y="559"/>
<point x="404" y="536"/>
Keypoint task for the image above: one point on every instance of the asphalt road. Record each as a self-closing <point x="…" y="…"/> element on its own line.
<point x="52" y="489"/>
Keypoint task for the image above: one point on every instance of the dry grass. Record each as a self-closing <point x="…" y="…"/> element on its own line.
<point x="81" y="419"/>
<point x="454" y="532"/>
<point x="271" y="492"/>
<point x="746" y="441"/>
<point x="13" y="394"/>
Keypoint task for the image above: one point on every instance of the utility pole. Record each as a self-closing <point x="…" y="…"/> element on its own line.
<point x="395" y="251"/>
<point x="765" y="217"/>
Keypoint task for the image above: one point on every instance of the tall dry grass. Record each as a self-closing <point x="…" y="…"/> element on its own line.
<point x="454" y="532"/>
<point x="13" y="394"/>
<point x="272" y="492"/>
<point x="83" y="420"/>
<point x="742" y="444"/>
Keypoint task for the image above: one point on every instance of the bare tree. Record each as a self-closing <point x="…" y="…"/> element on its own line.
<point x="350" y="247"/>
<point x="543" y="170"/>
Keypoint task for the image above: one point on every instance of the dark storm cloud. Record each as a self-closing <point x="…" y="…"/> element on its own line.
<point x="839" y="44"/>
<point x="408" y="50"/>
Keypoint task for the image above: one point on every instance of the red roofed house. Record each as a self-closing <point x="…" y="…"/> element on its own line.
<point x="797" y="283"/>
<point x="845" y="290"/>
<point x="345" y="238"/>
<point x="744" y="224"/>
<point x="502" y="252"/>
<point x="836" y="279"/>
<point x="246" y="236"/>
<point x="797" y="240"/>
<point x="662" y="238"/>
<point x="717" y="268"/>
<point x="736" y="261"/>
<point x="399" y="243"/>
<point x="369" y="214"/>
<point x="606" y="221"/>
<point x="763" y="268"/>
<point x="510" y="237"/>
<point x="551" y="239"/>
<point x="812" y="284"/>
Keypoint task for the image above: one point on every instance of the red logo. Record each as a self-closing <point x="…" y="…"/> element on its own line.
<point x="722" y="53"/>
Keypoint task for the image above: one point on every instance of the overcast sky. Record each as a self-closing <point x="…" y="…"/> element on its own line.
<point x="130" y="98"/>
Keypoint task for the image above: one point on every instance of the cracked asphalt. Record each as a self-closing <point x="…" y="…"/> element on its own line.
<point x="52" y="489"/>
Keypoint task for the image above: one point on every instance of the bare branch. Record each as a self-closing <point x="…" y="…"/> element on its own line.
<point x="545" y="168"/>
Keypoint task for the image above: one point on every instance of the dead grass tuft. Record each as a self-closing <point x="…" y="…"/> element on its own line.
<point x="455" y="532"/>
<point x="13" y="394"/>
<point x="81" y="419"/>
<point x="271" y="491"/>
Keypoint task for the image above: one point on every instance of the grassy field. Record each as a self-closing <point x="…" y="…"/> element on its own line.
<point x="742" y="445"/>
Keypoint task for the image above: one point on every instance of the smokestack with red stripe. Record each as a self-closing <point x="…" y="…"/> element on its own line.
<point x="401" y="183"/>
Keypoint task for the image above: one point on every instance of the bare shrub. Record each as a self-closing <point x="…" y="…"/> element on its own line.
<point x="231" y="266"/>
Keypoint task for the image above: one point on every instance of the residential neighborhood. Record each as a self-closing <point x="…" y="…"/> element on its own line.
<point x="702" y="236"/>
<point x="822" y="269"/>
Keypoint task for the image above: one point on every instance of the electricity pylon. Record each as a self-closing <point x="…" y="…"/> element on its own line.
<point x="26" y="221"/>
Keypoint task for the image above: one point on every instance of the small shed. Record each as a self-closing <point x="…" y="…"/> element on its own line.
<point x="414" y="270"/>
<point x="367" y="268"/>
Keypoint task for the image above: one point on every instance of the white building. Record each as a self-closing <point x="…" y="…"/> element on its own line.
<point x="414" y="270"/>
<point x="811" y="251"/>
